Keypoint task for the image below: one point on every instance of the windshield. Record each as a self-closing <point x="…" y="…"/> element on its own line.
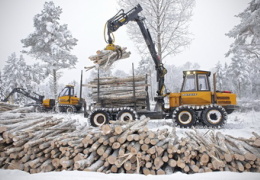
<point x="190" y="83"/>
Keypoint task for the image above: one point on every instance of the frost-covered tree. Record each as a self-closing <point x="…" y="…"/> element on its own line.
<point x="174" y="77"/>
<point x="51" y="42"/>
<point x="255" y="78"/>
<point x="167" y="21"/>
<point x="120" y="73"/>
<point x="190" y="66"/>
<point x="1" y="86"/>
<point x="247" y="33"/>
<point x="17" y="74"/>
<point x="34" y="75"/>
<point x="147" y="67"/>
<point x="52" y="85"/>
<point x="220" y="75"/>
<point x="227" y="82"/>
<point x="14" y="75"/>
<point x="239" y="74"/>
<point x="246" y="45"/>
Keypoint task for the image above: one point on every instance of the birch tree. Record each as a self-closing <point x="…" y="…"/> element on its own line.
<point x="167" y="21"/>
<point x="51" y="42"/>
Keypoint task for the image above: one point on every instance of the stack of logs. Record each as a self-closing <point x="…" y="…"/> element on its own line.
<point x="44" y="143"/>
<point x="7" y="107"/>
<point x="120" y="92"/>
<point x="105" y="58"/>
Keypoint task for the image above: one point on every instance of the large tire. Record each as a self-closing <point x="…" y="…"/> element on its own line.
<point x="126" y="115"/>
<point x="184" y="117"/>
<point x="214" y="116"/>
<point x="38" y="108"/>
<point x="70" y="109"/>
<point x="99" y="118"/>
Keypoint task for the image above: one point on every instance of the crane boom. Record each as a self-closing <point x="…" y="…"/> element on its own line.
<point x="122" y="18"/>
<point x="34" y="96"/>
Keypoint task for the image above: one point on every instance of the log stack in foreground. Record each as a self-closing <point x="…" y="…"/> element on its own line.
<point x="44" y="143"/>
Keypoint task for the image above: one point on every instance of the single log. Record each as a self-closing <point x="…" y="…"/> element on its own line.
<point x="107" y="152"/>
<point x="112" y="158"/>
<point x="95" y="166"/>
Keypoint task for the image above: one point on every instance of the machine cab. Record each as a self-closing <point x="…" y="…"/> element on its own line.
<point x="196" y="88"/>
<point x="195" y="81"/>
<point x="67" y="97"/>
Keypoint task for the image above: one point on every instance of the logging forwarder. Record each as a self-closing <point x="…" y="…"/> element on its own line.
<point x="66" y="102"/>
<point x="195" y="103"/>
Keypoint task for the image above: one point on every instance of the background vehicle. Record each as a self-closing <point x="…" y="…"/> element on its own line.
<point x="67" y="102"/>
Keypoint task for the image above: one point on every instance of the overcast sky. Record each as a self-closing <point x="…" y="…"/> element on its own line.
<point x="86" y="19"/>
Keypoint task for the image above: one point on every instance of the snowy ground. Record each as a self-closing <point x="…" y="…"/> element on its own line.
<point x="81" y="175"/>
<point x="238" y="125"/>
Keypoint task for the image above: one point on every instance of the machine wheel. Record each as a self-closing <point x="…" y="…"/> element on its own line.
<point x="126" y="115"/>
<point x="71" y="109"/>
<point x="98" y="118"/>
<point x="214" y="116"/>
<point x="184" y="117"/>
<point x="38" y="109"/>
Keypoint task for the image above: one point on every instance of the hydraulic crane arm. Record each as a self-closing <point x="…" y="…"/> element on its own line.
<point x="34" y="96"/>
<point x="122" y="18"/>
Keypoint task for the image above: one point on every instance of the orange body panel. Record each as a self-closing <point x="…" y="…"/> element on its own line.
<point x="68" y="100"/>
<point x="201" y="98"/>
<point x="47" y="103"/>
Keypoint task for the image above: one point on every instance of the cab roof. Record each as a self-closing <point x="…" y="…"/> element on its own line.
<point x="196" y="72"/>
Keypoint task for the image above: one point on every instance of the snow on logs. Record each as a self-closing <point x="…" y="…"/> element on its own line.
<point x="10" y="108"/>
<point x="7" y="107"/>
<point x="36" y="143"/>
<point x="105" y="58"/>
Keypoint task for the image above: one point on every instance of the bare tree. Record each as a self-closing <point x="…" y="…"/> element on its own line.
<point x="168" y="22"/>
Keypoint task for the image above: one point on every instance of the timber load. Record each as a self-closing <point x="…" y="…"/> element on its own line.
<point x="36" y="143"/>
<point x="105" y="58"/>
<point x="114" y="92"/>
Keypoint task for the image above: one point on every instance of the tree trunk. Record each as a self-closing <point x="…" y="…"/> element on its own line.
<point x="54" y="74"/>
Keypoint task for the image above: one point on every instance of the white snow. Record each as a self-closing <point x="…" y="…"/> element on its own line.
<point x="83" y="175"/>
<point x="50" y="27"/>
<point x="238" y="125"/>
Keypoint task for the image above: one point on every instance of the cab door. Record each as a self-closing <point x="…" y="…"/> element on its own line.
<point x="64" y="96"/>
<point x="196" y="90"/>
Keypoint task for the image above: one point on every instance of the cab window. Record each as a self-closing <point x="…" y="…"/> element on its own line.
<point x="202" y="82"/>
<point x="190" y="83"/>
<point x="65" y="92"/>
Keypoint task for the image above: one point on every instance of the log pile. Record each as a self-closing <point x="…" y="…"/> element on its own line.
<point x="42" y="144"/>
<point x="10" y="108"/>
<point x="119" y="92"/>
<point x="7" y="107"/>
<point x="105" y="58"/>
